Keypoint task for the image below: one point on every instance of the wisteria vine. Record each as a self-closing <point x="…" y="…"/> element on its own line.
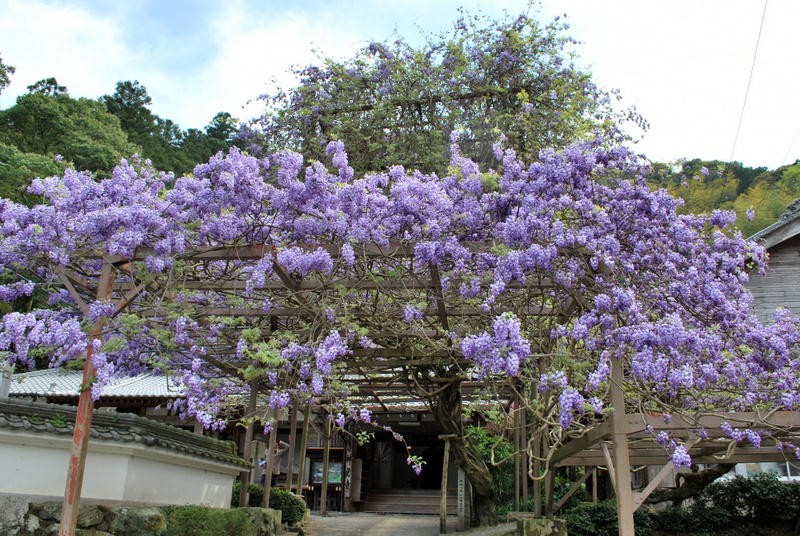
<point x="549" y="272"/>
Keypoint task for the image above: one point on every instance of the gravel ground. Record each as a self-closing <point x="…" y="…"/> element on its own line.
<point x="390" y="525"/>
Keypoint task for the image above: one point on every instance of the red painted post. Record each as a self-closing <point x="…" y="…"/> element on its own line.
<point x="83" y="419"/>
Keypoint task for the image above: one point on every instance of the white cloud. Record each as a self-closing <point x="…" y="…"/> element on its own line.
<point x="252" y="48"/>
<point x="79" y="48"/>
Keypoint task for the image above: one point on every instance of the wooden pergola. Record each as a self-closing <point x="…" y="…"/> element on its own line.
<point x="381" y="371"/>
<point x="377" y="371"/>
<point x="629" y="440"/>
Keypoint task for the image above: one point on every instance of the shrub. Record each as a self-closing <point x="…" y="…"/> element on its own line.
<point x="293" y="508"/>
<point x="562" y="486"/>
<point x="255" y="499"/>
<point x="205" y="521"/>
<point x="761" y="499"/>
<point x="600" y="519"/>
<point x="699" y="518"/>
<point x="502" y="474"/>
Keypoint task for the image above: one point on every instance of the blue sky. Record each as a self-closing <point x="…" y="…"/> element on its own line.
<point x="683" y="63"/>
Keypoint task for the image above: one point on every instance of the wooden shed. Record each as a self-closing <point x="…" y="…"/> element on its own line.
<point x="780" y="287"/>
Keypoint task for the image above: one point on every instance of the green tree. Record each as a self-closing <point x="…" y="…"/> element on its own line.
<point x="18" y="169"/>
<point x="161" y="140"/>
<point x="48" y="86"/>
<point x="766" y="200"/>
<point x="219" y="135"/>
<point x="393" y="103"/>
<point x="80" y="130"/>
<point x="130" y="103"/>
<point x="223" y="128"/>
<point x="705" y="195"/>
<point x="5" y="74"/>
<point x="157" y="138"/>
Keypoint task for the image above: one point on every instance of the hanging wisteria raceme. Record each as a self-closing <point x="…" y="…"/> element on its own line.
<point x="547" y="272"/>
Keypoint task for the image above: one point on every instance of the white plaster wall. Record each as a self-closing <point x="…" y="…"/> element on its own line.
<point x="35" y="464"/>
<point x="198" y="484"/>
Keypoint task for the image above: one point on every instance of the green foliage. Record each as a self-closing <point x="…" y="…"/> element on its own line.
<point x="255" y="495"/>
<point x="293" y="508"/>
<point x="75" y="364"/>
<point x="740" y="506"/>
<point x="761" y="499"/>
<point x="58" y="420"/>
<point x="393" y="104"/>
<point x="5" y="74"/>
<point x="708" y="185"/>
<point x="161" y="140"/>
<point x="699" y="518"/>
<point x="130" y="104"/>
<point x="496" y="452"/>
<point x="18" y="169"/>
<point x="562" y="486"/>
<point x="769" y="201"/>
<point x="363" y="437"/>
<point x="48" y="86"/>
<point x="204" y="521"/>
<point x="600" y="519"/>
<point x="80" y="130"/>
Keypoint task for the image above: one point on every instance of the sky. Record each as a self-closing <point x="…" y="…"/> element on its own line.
<point x="685" y="64"/>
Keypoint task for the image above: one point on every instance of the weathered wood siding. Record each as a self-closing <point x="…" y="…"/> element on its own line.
<point x="781" y="286"/>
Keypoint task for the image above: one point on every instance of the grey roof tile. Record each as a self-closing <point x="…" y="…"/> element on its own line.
<point x="19" y="415"/>
<point x="67" y="383"/>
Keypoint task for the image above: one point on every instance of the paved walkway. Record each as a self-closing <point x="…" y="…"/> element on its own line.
<point x="391" y="525"/>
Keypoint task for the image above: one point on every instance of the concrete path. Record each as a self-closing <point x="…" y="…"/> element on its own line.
<point x="391" y="525"/>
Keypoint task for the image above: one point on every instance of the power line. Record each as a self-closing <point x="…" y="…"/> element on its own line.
<point x="788" y="149"/>
<point x="744" y="104"/>
<point x="749" y="81"/>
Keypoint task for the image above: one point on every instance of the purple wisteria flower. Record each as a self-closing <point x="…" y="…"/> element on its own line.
<point x="550" y="273"/>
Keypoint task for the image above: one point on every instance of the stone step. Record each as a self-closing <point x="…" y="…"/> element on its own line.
<point x="408" y="503"/>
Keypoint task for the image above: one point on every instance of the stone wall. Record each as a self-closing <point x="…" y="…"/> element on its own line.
<point x="20" y="517"/>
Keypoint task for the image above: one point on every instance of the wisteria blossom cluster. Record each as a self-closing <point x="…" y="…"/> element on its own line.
<point x="287" y="271"/>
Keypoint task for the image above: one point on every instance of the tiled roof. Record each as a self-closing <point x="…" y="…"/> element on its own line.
<point x="56" y="419"/>
<point x="787" y="226"/>
<point x="67" y="383"/>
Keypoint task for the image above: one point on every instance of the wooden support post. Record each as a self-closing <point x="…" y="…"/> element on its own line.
<point x="622" y="464"/>
<point x="537" y="471"/>
<point x="523" y="421"/>
<point x="517" y="457"/>
<point x="443" y="491"/>
<point x="83" y="416"/>
<point x="303" y="446"/>
<point x="326" y="459"/>
<point x="549" y="488"/>
<point x="273" y="439"/>
<point x="292" y="438"/>
<point x="244" y="476"/>
<point x="612" y="474"/>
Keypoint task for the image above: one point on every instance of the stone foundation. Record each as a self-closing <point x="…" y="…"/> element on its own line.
<point x="20" y="517"/>
<point x="527" y="525"/>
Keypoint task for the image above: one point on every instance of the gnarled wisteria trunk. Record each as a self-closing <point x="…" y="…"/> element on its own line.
<point x="447" y="408"/>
